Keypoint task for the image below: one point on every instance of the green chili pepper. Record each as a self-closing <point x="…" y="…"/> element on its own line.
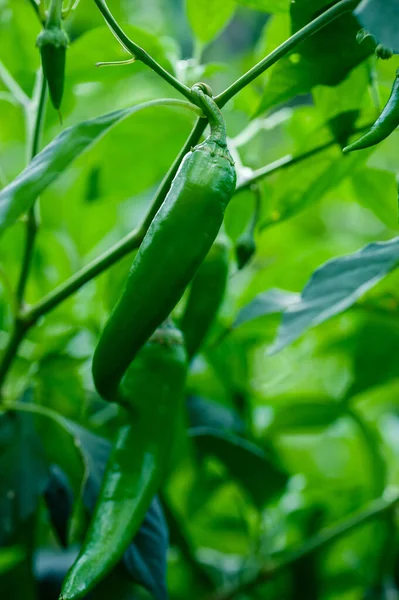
<point x="206" y="295"/>
<point x="245" y="245"/>
<point x="177" y="241"/>
<point x="386" y="123"/>
<point x="52" y="42"/>
<point x="152" y="391"/>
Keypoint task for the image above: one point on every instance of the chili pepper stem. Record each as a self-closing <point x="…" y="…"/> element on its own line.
<point x="54" y="18"/>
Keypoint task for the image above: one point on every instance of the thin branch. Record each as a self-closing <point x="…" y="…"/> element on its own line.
<point x="289" y="161"/>
<point x="11" y="349"/>
<point x="13" y="87"/>
<point x="139" y="52"/>
<point x="285" y="48"/>
<point x="32" y="218"/>
<point x="317" y="543"/>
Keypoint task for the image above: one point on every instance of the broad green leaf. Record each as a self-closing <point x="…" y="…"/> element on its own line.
<point x="336" y="286"/>
<point x="268" y="6"/>
<point x="205" y="413"/>
<point x="252" y="467"/>
<point x="54" y="159"/>
<point x="376" y="347"/>
<point x="266" y="303"/>
<point x="383" y="24"/>
<point x="23" y="471"/>
<point x="307" y="186"/>
<point x="209" y="17"/>
<point x="299" y="416"/>
<point x="378" y="191"/>
<point x="325" y="58"/>
<point x="339" y="105"/>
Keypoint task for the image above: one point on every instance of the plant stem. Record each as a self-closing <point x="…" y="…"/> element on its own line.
<point x="54" y="17"/>
<point x="139" y="52"/>
<point x="20" y="328"/>
<point x="32" y="218"/>
<point x="11" y="349"/>
<point x="289" y="161"/>
<point x="376" y="509"/>
<point x="324" y="19"/>
<point x="281" y="163"/>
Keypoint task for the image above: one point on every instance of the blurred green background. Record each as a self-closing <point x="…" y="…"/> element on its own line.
<point x="322" y="412"/>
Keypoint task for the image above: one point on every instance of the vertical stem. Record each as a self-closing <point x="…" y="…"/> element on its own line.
<point x="33" y="217"/>
<point x="54" y="14"/>
<point x="16" y="338"/>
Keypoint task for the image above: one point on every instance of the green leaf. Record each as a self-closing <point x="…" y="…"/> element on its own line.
<point x="17" y="197"/>
<point x="381" y="23"/>
<point x="376" y="348"/>
<point x="299" y="416"/>
<point x="335" y="286"/>
<point x="325" y="58"/>
<point x="378" y="191"/>
<point x="306" y="187"/>
<point x="209" y="17"/>
<point x="267" y="303"/>
<point x="268" y="6"/>
<point x="23" y="471"/>
<point x="254" y="469"/>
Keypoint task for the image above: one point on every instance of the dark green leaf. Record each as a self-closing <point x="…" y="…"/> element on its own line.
<point x="336" y="286"/>
<point x="325" y="58"/>
<point x="257" y="471"/>
<point x="23" y="471"/>
<point x="205" y="413"/>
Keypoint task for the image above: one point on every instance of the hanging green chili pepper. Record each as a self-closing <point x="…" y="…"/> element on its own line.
<point x="206" y="295"/>
<point x="52" y="42"/>
<point x="175" y="245"/>
<point x="245" y="245"/>
<point x="386" y="123"/>
<point x="152" y="391"/>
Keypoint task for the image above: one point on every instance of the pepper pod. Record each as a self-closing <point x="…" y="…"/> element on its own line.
<point x="246" y="246"/>
<point x="152" y="392"/>
<point x="206" y="295"/>
<point x="52" y="42"/>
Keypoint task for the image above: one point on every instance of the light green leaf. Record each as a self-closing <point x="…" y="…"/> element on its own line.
<point x="268" y="6"/>
<point x="209" y="17"/>
<point x="336" y="286"/>
<point x="54" y="159"/>
<point x="267" y="303"/>
<point x="378" y="191"/>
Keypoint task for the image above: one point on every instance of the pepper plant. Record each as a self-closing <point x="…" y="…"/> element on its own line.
<point x="279" y="471"/>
